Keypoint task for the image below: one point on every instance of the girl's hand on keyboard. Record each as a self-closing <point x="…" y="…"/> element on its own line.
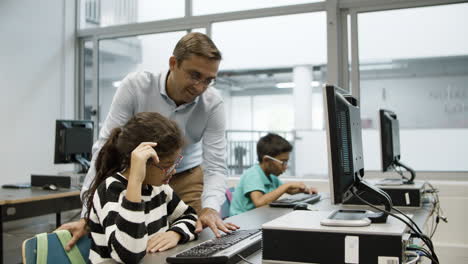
<point x="162" y="241"/>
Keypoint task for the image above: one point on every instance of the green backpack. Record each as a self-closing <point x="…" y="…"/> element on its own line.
<point x="47" y="248"/>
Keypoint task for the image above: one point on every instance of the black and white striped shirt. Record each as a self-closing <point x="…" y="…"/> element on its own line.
<point x="120" y="229"/>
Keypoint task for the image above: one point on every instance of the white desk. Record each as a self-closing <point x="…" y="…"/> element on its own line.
<point x="255" y="218"/>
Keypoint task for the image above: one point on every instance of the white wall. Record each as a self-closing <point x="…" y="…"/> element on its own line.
<point x="419" y="102"/>
<point x="36" y="82"/>
<point x="421" y="149"/>
<point x="413" y="33"/>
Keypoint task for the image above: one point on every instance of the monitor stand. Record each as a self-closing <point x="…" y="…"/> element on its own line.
<point x="347" y="217"/>
<point x="399" y="181"/>
<point x="351" y="217"/>
<point x="391" y="182"/>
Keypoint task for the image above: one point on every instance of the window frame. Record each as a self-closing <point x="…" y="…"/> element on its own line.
<point x="340" y="42"/>
<point x="353" y="8"/>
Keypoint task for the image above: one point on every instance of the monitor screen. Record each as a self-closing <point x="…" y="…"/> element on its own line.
<point x="343" y="122"/>
<point x="389" y="139"/>
<point x="73" y="140"/>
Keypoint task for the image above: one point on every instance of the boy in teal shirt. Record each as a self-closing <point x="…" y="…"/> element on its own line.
<point x="260" y="185"/>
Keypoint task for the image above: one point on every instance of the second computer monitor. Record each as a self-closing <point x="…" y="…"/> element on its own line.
<point x="390" y="138"/>
<point x="73" y="142"/>
<point x="390" y="148"/>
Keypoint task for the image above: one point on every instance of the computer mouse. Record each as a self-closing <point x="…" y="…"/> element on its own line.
<point x="301" y="206"/>
<point x="50" y="187"/>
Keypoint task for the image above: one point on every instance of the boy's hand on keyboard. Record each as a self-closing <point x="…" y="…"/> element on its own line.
<point x="163" y="241"/>
<point x="297" y="187"/>
<point x="313" y="190"/>
<point x="210" y="217"/>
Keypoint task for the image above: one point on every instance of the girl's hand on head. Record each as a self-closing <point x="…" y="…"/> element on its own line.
<point x="139" y="157"/>
<point x="162" y="241"/>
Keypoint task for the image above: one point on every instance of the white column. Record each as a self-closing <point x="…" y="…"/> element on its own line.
<point x="302" y="92"/>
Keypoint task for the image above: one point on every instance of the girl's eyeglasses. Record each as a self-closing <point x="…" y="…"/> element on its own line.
<point x="170" y="169"/>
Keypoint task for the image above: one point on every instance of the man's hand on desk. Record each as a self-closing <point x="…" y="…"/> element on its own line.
<point x="210" y="217"/>
<point x="77" y="229"/>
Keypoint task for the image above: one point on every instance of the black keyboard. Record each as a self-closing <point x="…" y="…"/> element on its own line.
<point x="225" y="249"/>
<point x="292" y="200"/>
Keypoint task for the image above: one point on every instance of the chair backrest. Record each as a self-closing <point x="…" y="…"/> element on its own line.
<point x="227" y="204"/>
<point x="55" y="253"/>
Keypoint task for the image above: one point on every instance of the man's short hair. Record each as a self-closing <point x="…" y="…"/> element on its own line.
<point x="272" y="145"/>
<point x="196" y="44"/>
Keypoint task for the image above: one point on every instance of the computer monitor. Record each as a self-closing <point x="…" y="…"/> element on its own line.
<point x="390" y="147"/>
<point x="73" y="142"/>
<point x="345" y="159"/>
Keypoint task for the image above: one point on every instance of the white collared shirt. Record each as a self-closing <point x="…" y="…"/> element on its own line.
<point x="202" y="122"/>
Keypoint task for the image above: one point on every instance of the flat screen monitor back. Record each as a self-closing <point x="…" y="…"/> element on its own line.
<point x="346" y="163"/>
<point x="390" y="148"/>
<point x="344" y="142"/>
<point x="390" y="138"/>
<point x="72" y="138"/>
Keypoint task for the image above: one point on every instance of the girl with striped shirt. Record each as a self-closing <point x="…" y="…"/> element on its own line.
<point x="133" y="209"/>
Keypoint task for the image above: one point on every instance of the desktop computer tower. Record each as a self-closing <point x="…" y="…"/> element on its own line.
<point x="298" y="237"/>
<point x="42" y="180"/>
<point x="403" y="195"/>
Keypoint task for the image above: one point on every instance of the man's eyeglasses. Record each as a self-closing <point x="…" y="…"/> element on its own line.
<point x="283" y="163"/>
<point x="168" y="170"/>
<point x="195" y="78"/>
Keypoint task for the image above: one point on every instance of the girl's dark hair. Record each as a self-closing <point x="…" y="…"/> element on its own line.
<point x="115" y="155"/>
<point x="272" y="145"/>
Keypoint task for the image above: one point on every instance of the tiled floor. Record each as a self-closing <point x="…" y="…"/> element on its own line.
<point x="17" y="231"/>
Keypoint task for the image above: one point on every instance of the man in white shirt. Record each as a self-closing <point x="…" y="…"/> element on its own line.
<point x="183" y="93"/>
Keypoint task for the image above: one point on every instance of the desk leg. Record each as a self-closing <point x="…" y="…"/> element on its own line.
<point x="1" y="236"/>
<point x="57" y="219"/>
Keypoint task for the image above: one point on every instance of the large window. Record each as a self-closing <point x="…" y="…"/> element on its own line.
<point x="261" y="112"/>
<point x="406" y="56"/>
<point x="415" y="62"/>
<point x="90" y="94"/>
<point x="259" y="77"/>
<point x="259" y="58"/>
<point x="103" y="13"/>
<point x="118" y="57"/>
<point x="203" y="7"/>
<point x="272" y="42"/>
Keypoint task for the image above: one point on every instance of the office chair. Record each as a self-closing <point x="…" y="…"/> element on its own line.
<point x="227" y="204"/>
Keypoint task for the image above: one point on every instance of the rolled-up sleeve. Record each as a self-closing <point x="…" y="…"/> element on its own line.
<point x="214" y="159"/>
<point x="121" y="110"/>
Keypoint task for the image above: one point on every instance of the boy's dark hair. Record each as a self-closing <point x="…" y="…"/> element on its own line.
<point x="272" y="145"/>
<point x="115" y="155"/>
